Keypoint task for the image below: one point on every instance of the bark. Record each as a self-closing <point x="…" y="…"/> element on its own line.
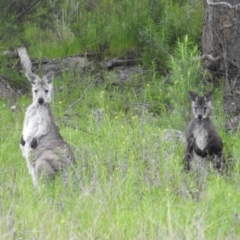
<point x="221" y="41"/>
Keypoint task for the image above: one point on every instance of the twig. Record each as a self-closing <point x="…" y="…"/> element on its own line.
<point x="8" y="8"/>
<point x="80" y="99"/>
<point x="226" y="26"/>
<point x="118" y="62"/>
<point x="80" y="129"/>
<point x="222" y="3"/>
<point x="27" y="9"/>
<point x="207" y="57"/>
<point x="227" y="85"/>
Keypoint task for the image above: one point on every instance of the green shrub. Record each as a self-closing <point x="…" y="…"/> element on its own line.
<point x="165" y="23"/>
<point x="110" y="27"/>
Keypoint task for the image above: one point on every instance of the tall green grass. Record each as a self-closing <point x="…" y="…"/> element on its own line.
<point x="131" y="185"/>
<point x="131" y="182"/>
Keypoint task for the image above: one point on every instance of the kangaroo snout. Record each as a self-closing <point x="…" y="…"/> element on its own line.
<point x="200" y="117"/>
<point x="41" y="101"/>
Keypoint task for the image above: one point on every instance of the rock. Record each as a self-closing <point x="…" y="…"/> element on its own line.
<point x="233" y="123"/>
<point x="13" y="108"/>
<point x="98" y="115"/>
<point x="176" y="136"/>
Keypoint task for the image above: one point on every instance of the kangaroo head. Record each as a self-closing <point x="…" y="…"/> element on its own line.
<point x="41" y="87"/>
<point x="201" y="105"/>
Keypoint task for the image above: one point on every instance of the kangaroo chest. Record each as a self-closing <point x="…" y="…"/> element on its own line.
<point x="201" y="136"/>
<point x="36" y="119"/>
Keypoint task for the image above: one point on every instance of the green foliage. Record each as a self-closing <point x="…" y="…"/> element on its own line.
<point x="166" y="22"/>
<point x="168" y="95"/>
<point x="185" y="76"/>
<point x="109" y="27"/>
<point x="131" y="180"/>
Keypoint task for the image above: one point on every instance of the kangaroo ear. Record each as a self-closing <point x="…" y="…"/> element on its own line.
<point x="193" y="96"/>
<point x="49" y="77"/>
<point x="32" y="77"/>
<point x="208" y="96"/>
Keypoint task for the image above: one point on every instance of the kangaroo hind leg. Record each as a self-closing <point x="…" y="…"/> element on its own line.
<point x="47" y="166"/>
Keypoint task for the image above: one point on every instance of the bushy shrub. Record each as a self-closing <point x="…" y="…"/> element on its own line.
<point x="109" y="27"/>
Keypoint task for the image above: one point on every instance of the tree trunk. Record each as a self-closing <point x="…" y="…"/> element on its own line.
<point x="221" y="47"/>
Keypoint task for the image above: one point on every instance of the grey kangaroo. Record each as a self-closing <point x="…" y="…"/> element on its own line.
<point x="203" y="141"/>
<point x="43" y="147"/>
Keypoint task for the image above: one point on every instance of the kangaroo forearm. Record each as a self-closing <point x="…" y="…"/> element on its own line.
<point x="22" y="141"/>
<point x="25" y="124"/>
<point x="28" y="116"/>
<point x="201" y="153"/>
<point x="208" y="151"/>
<point x="41" y="132"/>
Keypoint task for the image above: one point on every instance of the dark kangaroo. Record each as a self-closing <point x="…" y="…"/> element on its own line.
<point x="203" y="141"/>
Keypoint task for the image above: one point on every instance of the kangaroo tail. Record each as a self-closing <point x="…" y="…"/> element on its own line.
<point x="25" y="60"/>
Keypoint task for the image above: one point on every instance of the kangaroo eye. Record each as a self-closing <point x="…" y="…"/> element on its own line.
<point x="195" y="108"/>
<point x="46" y="91"/>
<point x="205" y="109"/>
<point x="35" y="91"/>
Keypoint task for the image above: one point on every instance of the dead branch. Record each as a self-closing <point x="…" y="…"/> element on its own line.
<point x="76" y="102"/>
<point x="6" y="92"/>
<point x="222" y="3"/>
<point x="208" y="57"/>
<point x="8" y="8"/>
<point x="118" y="62"/>
<point x="27" y="9"/>
<point x="10" y="54"/>
<point x="226" y="27"/>
<point x="227" y="84"/>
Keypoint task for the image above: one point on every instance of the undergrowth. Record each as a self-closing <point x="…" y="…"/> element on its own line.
<point x="111" y="28"/>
